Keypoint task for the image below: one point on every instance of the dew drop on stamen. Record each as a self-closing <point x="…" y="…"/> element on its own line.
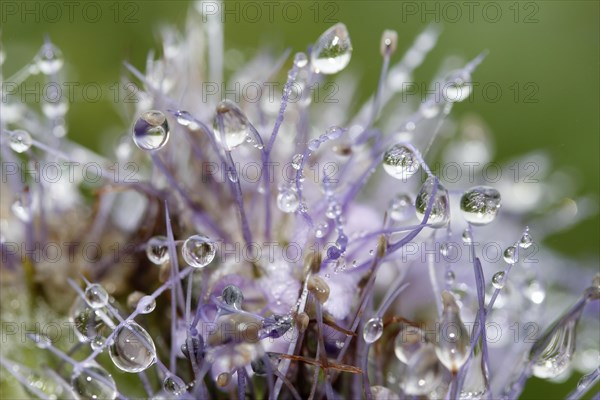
<point x="400" y="162"/>
<point x="401" y="208"/>
<point x="288" y="201"/>
<point x="535" y="292"/>
<point x="453" y="344"/>
<point x="88" y="322"/>
<point x="96" y="296"/>
<point x="445" y="249"/>
<point x="498" y="279"/>
<point x="93" y="382"/>
<point x="157" y="250"/>
<point x="151" y="131"/>
<point x="526" y="240"/>
<point x="430" y="109"/>
<point x="97" y="342"/>
<point x="440" y="208"/>
<point x="146" y="304"/>
<point x="49" y="60"/>
<point x="480" y="205"/>
<point x="223" y="379"/>
<point x="424" y="372"/>
<point x="233" y="296"/>
<point x="466" y="236"/>
<point x="132" y="349"/>
<point x="20" y="141"/>
<point x="457" y="87"/>
<point x="41" y="341"/>
<point x="554" y="350"/>
<point x="389" y="41"/>
<point x="20" y="211"/>
<point x="510" y="255"/>
<point x="332" y="51"/>
<point x="334" y="132"/>
<point x="297" y="161"/>
<point x="235" y="124"/>
<point x="408" y="341"/>
<point x="198" y="251"/>
<point x="173" y="385"/>
<point x="321" y="230"/>
<point x="373" y="330"/>
<point x="450" y="277"/>
<point x="300" y="60"/>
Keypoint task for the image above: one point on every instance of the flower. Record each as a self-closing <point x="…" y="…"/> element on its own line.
<point x="287" y="242"/>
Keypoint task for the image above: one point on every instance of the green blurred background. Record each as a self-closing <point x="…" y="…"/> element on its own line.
<point x="553" y="45"/>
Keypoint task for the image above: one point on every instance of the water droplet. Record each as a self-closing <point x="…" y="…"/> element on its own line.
<point x="429" y="109"/>
<point x="445" y="249"/>
<point x="423" y="372"/>
<point x="198" y="251"/>
<point x="440" y="208"/>
<point x="49" y="60"/>
<point x="332" y="51"/>
<point x="321" y="230"/>
<point x="151" y="131"/>
<point x="297" y="161"/>
<point x="88" y="322"/>
<point x="510" y="255"/>
<point x="184" y="118"/>
<point x="232" y="175"/>
<point x="334" y="132"/>
<point x="235" y="124"/>
<point x="300" y="60"/>
<point x="409" y="340"/>
<point x="389" y="41"/>
<point x="474" y="384"/>
<point x="132" y="349"/>
<point x="553" y="350"/>
<point x="97" y="342"/>
<point x="157" y="250"/>
<point x="457" y="87"/>
<point x="479" y="205"/>
<point x="54" y="110"/>
<point x="96" y="296"/>
<point x="319" y="288"/>
<point x="47" y="382"/>
<point x="453" y="344"/>
<point x="41" y="341"/>
<point x="223" y="379"/>
<point x="288" y="201"/>
<point x="450" y="277"/>
<point x="526" y="240"/>
<point x="401" y="208"/>
<point x="466" y="236"/>
<point x="92" y="382"/>
<point x="373" y="330"/>
<point x="233" y="296"/>
<point x="588" y="379"/>
<point x="174" y="385"/>
<point x="333" y="211"/>
<point x="20" y="211"/>
<point x="400" y="162"/>
<point x="535" y="292"/>
<point x="20" y="141"/>
<point x="498" y="279"/>
<point x="146" y="304"/>
<point x="313" y="145"/>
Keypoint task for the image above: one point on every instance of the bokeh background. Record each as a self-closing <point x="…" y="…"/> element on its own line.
<point x="546" y="51"/>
